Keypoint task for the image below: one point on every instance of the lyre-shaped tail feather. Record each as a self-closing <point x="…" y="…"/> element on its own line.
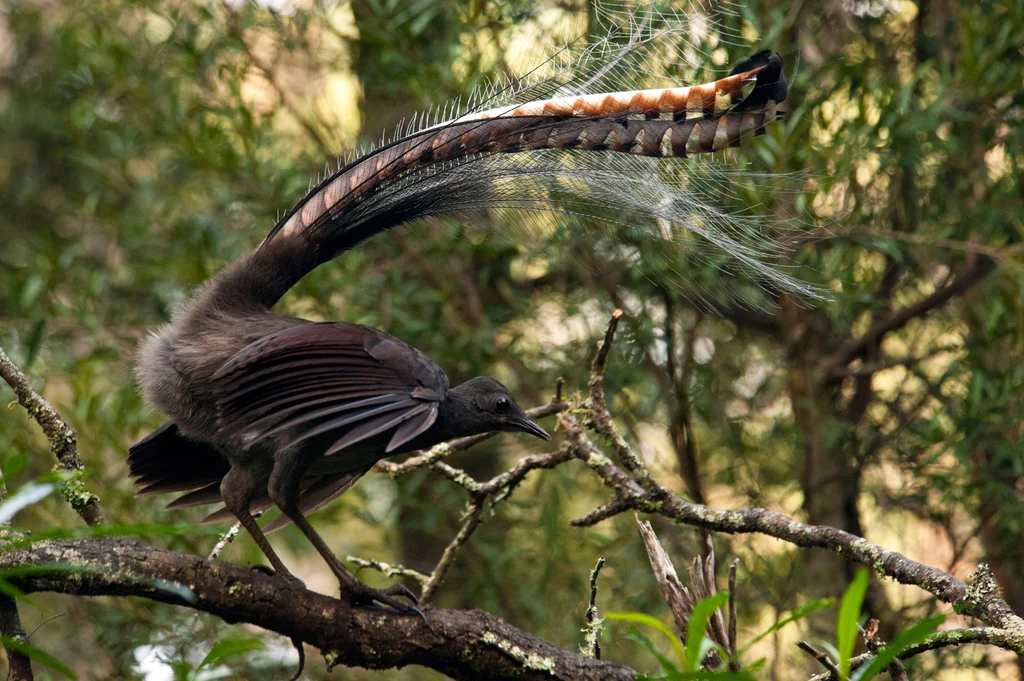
<point x="664" y="122"/>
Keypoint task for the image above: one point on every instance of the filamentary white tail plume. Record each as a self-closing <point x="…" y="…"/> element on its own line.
<point x="593" y="136"/>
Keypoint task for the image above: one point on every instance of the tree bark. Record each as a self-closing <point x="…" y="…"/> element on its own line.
<point x="462" y="644"/>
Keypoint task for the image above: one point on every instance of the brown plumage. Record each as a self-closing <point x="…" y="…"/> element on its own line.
<point x="269" y="409"/>
<point x="699" y="119"/>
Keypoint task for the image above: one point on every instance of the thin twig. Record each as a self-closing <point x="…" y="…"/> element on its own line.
<point x="389" y="569"/>
<point x="229" y="537"/>
<point x="592" y="646"/>
<point x="440" y="571"/>
<point x="493" y="491"/>
<point x="734" y="663"/>
<point x="949" y="638"/>
<point x="601" y="358"/>
<point x="821" y="657"/>
<point x="602" y="421"/>
<point x="225" y="539"/>
<point x="896" y="670"/>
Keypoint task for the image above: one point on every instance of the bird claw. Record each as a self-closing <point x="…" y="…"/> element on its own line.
<point x="265" y="569"/>
<point x="287" y="576"/>
<point x="364" y="595"/>
<point x="402" y="591"/>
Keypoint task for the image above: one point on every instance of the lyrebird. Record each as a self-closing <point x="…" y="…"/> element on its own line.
<point x="268" y="409"/>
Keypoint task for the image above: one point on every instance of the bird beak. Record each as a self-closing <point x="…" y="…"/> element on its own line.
<point x="527" y="426"/>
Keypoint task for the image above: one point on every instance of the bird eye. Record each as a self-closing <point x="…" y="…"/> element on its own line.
<point x="502" y="404"/>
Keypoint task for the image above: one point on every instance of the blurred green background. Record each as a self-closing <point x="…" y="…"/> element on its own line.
<point x="145" y="144"/>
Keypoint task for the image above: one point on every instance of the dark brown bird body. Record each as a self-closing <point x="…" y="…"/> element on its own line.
<point x="271" y="410"/>
<point x="245" y="386"/>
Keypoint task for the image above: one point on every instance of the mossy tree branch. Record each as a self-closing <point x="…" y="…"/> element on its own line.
<point x="63" y="442"/>
<point x="463" y="644"/>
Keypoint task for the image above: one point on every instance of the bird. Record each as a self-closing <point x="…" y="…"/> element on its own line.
<point x="268" y="409"/>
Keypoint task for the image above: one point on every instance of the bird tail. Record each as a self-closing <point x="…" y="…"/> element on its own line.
<point x="676" y="122"/>
<point x="166" y="461"/>
<point x="580" y="149"/>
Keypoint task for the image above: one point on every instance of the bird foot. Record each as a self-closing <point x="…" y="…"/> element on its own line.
<point x="287" y="576"/>
<point x="363" y="594"/>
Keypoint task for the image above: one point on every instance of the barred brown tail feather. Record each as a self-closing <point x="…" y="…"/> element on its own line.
<point x="698" y="119"/>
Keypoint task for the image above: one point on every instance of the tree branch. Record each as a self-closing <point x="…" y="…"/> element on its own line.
<point x="601" y="418"/>
<point x="461" y="644"/>
<point x="62" y="441"/>
<point x="981" y="600"/>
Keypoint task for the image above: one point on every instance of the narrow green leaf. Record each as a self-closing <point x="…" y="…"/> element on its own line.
<point x="654" y="623"/>
<point x="231" y="646"/>
<point x="638" y="637"/>
<point x="914" y="634"/>
<point x="40" y="656"/>
<point x="848" y="620"/>
<point x="797" y="614"/>
<point x="702" y="612"/>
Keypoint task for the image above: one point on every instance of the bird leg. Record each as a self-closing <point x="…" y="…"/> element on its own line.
<point x="237" y="490"/>
<point x="284" y="492"/>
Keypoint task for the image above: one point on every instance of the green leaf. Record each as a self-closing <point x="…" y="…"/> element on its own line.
<point x="40" y="656"/>
<point x="34" y="342"/>
<point x="637" y="636"/>
<point x="231" y="646"/>
<point x="654" y="623"/>
<point x="914" y="634"/>
<point x="25" y="496"/>
<point x="848" y="620"/>
<point x="702" y="612"/>
<point x="797" y="614"/>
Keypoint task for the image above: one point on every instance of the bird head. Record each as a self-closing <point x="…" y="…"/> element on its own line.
<point x="484" y="405"/>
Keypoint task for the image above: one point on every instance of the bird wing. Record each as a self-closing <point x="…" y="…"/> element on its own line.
<point x="334" y="383"/>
